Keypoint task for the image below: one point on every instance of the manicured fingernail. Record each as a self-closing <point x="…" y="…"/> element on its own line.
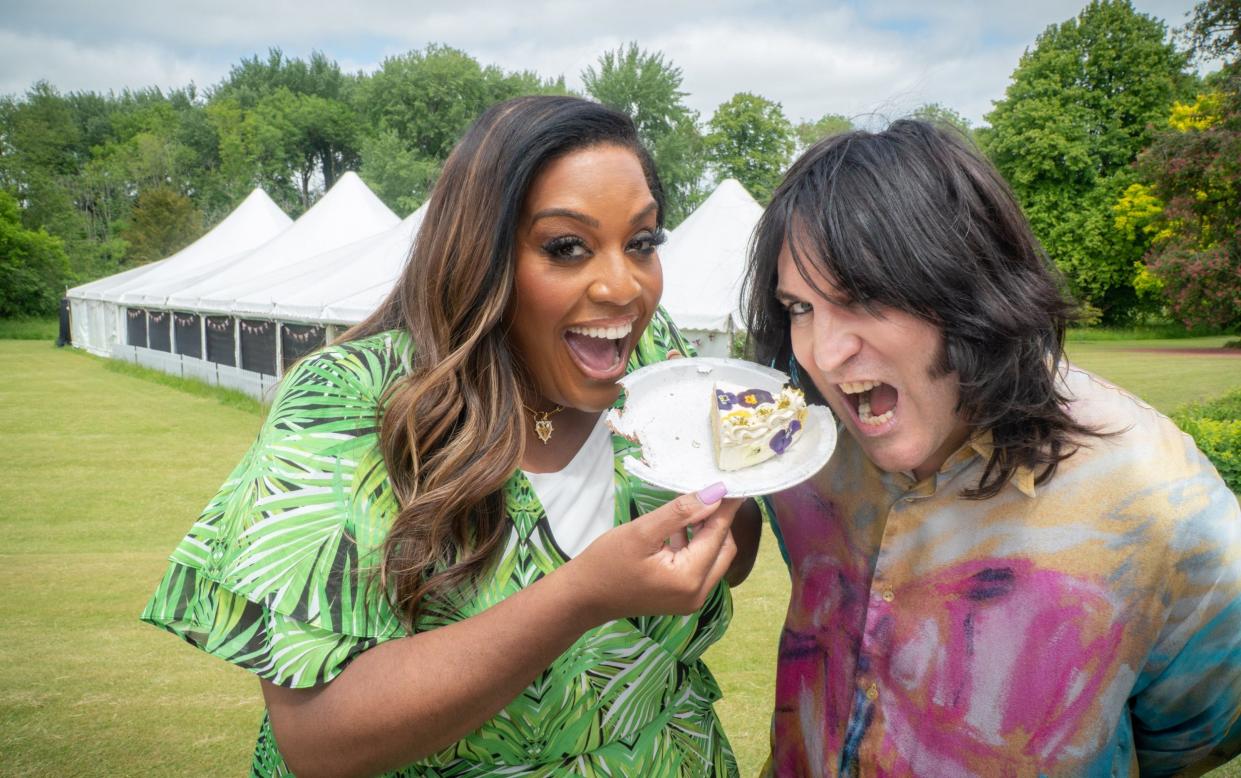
<point x="713" y="493"/>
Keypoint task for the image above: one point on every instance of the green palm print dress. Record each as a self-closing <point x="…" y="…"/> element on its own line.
<point x="276" y="576"/>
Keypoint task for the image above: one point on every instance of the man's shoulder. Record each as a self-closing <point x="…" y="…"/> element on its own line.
<point x="1139" y="460"/>
<point x="1123" y="421"/>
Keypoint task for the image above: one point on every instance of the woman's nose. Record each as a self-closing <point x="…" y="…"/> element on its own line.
<point x="617" y="283"/>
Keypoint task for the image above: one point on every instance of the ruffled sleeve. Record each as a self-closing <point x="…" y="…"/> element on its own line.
<point x="278" y="575"/>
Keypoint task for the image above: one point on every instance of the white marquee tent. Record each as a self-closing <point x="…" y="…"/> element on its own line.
<point x="97" y="323"/>
<point x="348" y="212"/>
<point x="237" y="312"/>
<point x="704" y="266"/>
<point x="304" y="292"/>
<point x="184" y="322"/>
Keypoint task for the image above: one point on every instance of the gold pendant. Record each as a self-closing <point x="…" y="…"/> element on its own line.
<point x="543" y="428"/>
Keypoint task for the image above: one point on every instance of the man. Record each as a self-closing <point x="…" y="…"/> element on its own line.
<point x="1008" y="567"/>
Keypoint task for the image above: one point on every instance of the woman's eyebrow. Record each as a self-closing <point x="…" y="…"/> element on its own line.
<point x="546" y="213"/>
<point x="642" y="214"/>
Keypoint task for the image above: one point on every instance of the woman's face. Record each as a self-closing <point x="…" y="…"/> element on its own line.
<point x="588" y="275"/>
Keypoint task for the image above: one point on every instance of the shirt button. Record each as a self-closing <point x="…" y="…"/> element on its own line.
<point x="872" y="692"/>
<point x="888" y="595"/>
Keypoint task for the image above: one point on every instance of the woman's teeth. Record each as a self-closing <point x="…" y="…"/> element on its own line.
<point x="610" y="333"/>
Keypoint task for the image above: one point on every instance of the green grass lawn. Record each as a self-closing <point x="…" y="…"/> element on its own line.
<point x="106" y="469"/>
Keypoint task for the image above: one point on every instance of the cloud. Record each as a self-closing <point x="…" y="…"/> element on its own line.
<point x="849" y="57"/>
<point x="70" y="66"/>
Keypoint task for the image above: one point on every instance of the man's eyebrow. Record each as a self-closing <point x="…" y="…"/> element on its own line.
<point x="569" y="213"/>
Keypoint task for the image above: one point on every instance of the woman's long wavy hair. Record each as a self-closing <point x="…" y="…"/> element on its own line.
<point x="914" y="219"/>
<point x="452" y="430"/>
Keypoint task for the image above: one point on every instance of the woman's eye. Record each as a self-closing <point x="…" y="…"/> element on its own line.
<point x="797" y="309"/>
<point x="565" y="247"/>
<point x="647" y="242"/>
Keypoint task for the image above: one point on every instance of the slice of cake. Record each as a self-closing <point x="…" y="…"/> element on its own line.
<point x="749" y="426"/>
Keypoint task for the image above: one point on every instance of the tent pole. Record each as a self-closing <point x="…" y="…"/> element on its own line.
<point x="279" y="350"/>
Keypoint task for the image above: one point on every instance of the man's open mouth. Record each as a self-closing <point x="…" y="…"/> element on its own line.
<point x="874" y="402"/>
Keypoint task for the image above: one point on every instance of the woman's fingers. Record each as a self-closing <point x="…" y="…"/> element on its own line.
<point x="661" y="524"/>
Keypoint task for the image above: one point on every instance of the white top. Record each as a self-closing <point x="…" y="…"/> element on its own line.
<point x="580" y="500"/>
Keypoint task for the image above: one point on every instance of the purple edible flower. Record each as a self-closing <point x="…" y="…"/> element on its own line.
<point x="781" y="440"/>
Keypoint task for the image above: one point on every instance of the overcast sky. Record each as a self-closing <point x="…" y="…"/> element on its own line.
<point x="883" y="57"/>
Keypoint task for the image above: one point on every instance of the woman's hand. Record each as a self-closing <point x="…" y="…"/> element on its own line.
<point x="649" y="567"/>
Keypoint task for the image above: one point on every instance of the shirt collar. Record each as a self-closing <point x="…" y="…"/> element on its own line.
<point x="980" y="445"/>
<point x="983" y="444"/>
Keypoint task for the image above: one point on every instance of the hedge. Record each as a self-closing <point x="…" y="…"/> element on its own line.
<point x="1216" y="427"/>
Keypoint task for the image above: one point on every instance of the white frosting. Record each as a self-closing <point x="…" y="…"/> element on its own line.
<point x="742" y="434"/>
<point x="761" y="425"/>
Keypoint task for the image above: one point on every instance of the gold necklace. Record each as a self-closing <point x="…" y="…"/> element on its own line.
<point x="543" y="422"/>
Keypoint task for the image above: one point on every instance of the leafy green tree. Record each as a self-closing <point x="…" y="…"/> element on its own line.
<point x="809" y="133"/>
<point x="33" y="267"/>
<point x="1074" y="117"/>
<point x="1214" y="30"/>
<point x="396" y="174"/>
<point x="249" y="81"/>
<point x="1192" y="177"/>
<point x="750" y="139"/>
<point x="298" y="124"/>
<point x="648" y="88"/>
<point x="943" y="116"/>
<point x="429" y="97"/>
<point x="163" y="222"/>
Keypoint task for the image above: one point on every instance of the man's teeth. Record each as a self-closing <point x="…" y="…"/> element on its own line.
<point x="863" y="406"/>
<point x="863" y="413"/>
<point x="857" y="387"/>
<point x="611" y="333"/>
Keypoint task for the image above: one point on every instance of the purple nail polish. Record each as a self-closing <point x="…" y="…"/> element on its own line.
<point x="713" y="493"/>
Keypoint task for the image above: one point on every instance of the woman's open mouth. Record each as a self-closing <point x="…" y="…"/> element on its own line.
<point x="600" y="352"/>
<point x="873" y="403"/>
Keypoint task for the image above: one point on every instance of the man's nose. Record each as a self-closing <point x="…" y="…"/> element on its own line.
<point x="835" y="342"/>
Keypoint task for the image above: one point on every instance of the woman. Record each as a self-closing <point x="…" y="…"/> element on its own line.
<point x="418" y="557"/>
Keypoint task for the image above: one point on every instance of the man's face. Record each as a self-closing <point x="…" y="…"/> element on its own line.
<point x="877" y="372"/>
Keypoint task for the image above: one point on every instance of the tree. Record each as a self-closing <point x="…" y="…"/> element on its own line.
<point x="1214" y="30"/>
<point x="395" y="173"/>
<point x="298" y="124"/>
<point x="162" y="223"/>
<point x="648" y="88"/>
<point x="1074" y="117"/>
<point x="750" y="140"/>
<point x="1192" y="174"/>
<point x="33" y="267"/>
<point x="810" y="133"/>
<point x="943" y="116"/>
<point x="428" y="98"/>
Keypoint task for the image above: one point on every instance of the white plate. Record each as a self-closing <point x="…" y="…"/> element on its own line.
<point x="668" y="410"/>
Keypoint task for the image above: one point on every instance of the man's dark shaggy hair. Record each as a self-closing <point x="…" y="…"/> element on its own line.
<point x="914" y="219"/>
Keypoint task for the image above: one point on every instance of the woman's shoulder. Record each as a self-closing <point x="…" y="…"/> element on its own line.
<point x="365" y="366"/>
